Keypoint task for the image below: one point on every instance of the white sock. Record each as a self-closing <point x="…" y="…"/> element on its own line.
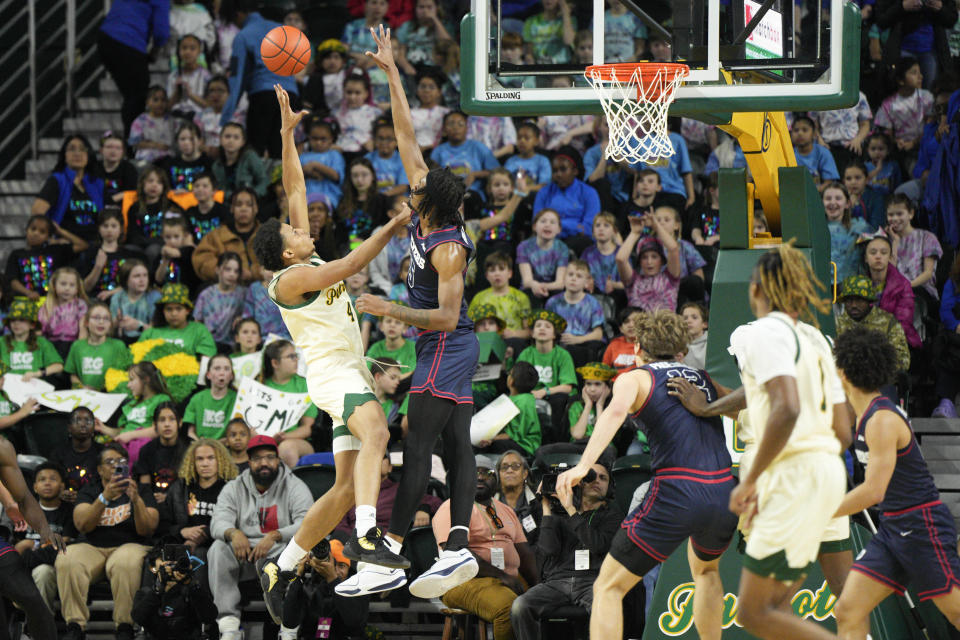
<point x="287" y="633"/>
<point x="366" y="518"/>
<point x="393" y="545"/>
<point x="291" y="556"/>
<point x="228" y="623"/>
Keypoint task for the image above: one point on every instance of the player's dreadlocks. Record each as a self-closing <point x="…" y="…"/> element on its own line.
<point x="787" y="279"/>
<point x="662" y="334"/>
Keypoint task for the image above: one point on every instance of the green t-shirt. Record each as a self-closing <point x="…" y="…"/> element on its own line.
<point x="209" y="415"/>
<point x="405" y="355"/>
<point x="194" y="338"/>
<point x="21" y="359"/>
<point x="138" y="414"/>
<point x="296" y="384"/>
<point x="555" y="367"/>
<point x="524" y="429"/>
<point x="574" y="412"/>
<point x="90" y="362"/>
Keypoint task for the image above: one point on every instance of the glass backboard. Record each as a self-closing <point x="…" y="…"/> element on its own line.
<point x="744" y="55"/>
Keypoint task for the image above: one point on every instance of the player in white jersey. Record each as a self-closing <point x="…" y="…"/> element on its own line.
<point x="796" y="479"/>
<point x="317" y="310"/>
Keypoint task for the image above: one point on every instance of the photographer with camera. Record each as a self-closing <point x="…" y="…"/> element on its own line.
<point x="174" y="604"/>
<point x="575" y="535"/>
<point x="311" y="607"/>
<point x="116" y="522"/>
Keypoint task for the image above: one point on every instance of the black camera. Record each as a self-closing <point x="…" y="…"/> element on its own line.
<point x="321" y="550"/>
<point x="122" y="470"/>
<point x="177" y="555"/>
<point x="548" y="484"/>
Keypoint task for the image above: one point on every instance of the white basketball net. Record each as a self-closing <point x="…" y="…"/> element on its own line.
<point x="636" y="110"/>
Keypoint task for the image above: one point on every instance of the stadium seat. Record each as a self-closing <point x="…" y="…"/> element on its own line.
<point x="420" y="547"/>
<point x="45" y="432"/>
<point x="629" y="472"/>
<point x="319" y="477"/>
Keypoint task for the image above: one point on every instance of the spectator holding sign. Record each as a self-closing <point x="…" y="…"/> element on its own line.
<point x="207" y="412"/>
<point x="135" y="426"/>
<point x="280" y="362"/>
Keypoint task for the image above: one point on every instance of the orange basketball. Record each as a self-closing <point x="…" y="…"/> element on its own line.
<point x="285" y="50"/>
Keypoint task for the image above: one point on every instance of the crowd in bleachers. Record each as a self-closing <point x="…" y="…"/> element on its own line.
<point x="137" y="267"/>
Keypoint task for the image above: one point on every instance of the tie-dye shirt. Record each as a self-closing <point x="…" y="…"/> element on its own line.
<point x="217" y="310"/>
<point x="912" y="250"/>
<point x="602" y="267"/>
<point x="582" y="317"/>
<point x="543" y="262"/>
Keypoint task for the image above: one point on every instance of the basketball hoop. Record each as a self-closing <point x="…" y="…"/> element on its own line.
<point x="636" y="98"/>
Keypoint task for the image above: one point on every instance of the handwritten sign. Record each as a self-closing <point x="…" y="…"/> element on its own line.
<point x="103" y="405"/>
<point x="247" y="366"/>
<point x="268" y="411"/>
<point x="19" y="391"/>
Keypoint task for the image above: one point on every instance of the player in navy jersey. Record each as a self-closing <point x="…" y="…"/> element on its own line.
<point x="691" y="487"/>
<point x="916" y="541"/>
<point x="441" y="398"/>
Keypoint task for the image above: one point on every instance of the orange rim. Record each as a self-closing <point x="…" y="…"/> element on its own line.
<point x="649" y="72"/>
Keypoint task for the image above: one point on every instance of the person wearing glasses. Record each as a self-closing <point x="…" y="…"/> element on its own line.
<point x="497" y="541"/>
<point x="117" y="521"/>
<point x="255" y="516"/>
<point x="513" y="474"/>
<point x="572" y="543"/>
<point x="280" y="364"/>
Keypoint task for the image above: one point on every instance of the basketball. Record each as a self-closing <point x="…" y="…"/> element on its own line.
<point x="285" y="51"/>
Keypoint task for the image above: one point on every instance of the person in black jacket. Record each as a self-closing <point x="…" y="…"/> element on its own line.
<point x="513" y="473"/>
<point x="918" y="29"/>
<point x="174" y="604"/>
<point x="205" y="469"/>
<point x="573" y="542"/>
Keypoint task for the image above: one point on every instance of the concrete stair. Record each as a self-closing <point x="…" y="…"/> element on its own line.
<point x="940" y="442"/>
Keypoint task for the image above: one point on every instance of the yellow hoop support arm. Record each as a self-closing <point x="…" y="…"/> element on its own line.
<point x="765" y="140"/>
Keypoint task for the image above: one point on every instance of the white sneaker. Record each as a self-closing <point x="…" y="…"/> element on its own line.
<point x="371" y="578"/>
<point x="451" y="569"/>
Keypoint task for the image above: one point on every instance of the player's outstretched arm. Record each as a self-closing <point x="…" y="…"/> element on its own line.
<point x="297" y="283"/>
<point x="449" y="260"/>
<point x="293" y="183"/>
<point x="413" y="162"/>
<point x="881" y="438"/>
<point x="628" y="388"/>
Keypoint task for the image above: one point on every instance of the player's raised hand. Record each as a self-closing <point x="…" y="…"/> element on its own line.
<point x="403" y="217"/>
<point x="289" y="119"/>
<point x="384" y="55"/>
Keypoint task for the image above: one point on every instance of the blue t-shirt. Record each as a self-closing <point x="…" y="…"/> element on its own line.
<point x="465" y="158"/>
<point x="537" y="167"/>
<point x="390" y="171"/>
<point x="819" y="162"/>
<point x="618" y="179"/>
<point x="329" y="188"/>
<point x="887" y="179"/>
<point x="581" y="317"/>
<point x="619" y="34"/>
<point x="543" y="262"/>
<point x="577" y="205"/>
<point x="672" y="169"/>
<point x="918" y="41"/>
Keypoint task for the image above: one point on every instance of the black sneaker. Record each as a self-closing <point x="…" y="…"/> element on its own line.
<point x="274" y="584"/>
<point x="74" y="632"/>
<point x="371" y="548"/>
<point x="124" y="631"/>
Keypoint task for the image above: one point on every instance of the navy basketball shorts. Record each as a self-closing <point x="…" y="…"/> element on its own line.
<point x="446" y="363"/>
<point x="915" y="547"/>
<point x="680" y="504"/>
